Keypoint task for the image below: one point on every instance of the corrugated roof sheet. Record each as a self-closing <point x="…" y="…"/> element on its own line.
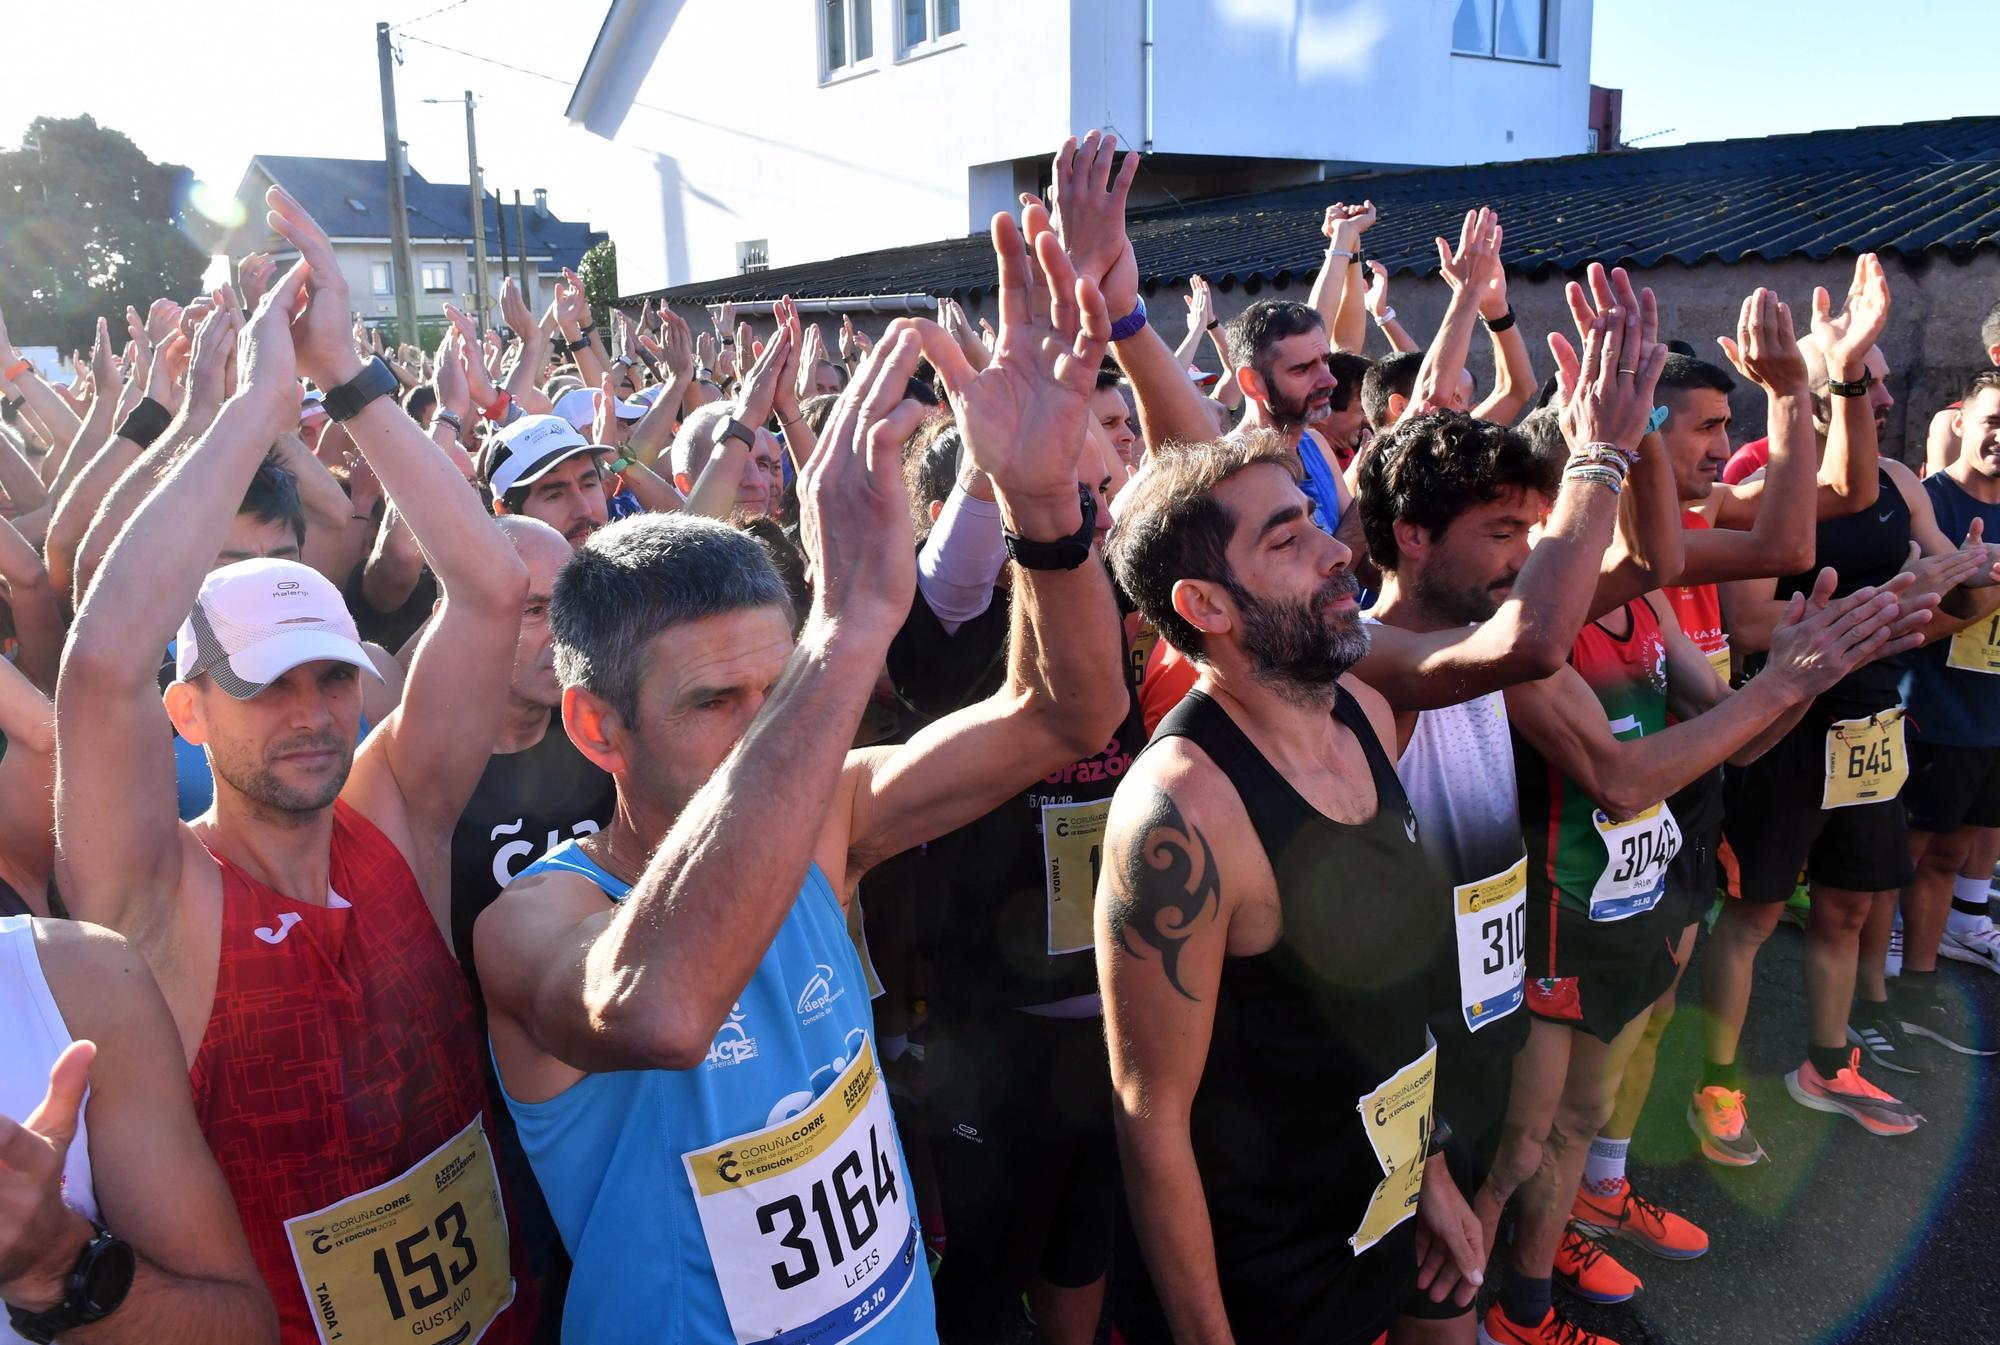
<point x="1892" y="189"/>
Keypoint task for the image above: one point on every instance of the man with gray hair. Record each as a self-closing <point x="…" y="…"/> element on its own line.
<point x="678" y="1015"/>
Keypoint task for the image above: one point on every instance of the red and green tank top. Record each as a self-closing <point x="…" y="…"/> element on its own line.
<point x="1606" y="868"/>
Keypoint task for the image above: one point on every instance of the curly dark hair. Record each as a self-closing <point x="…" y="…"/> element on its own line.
<point x="1432" y="468"/>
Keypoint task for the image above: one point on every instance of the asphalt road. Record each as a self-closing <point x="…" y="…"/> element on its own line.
<point x="1838" y="1235"/>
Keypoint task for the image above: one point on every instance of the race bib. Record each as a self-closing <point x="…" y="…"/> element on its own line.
<point x="808" y="1221"/>
<point x="1865" y="761"/>
<point x="1718" y="659"/>
<point x="1396" y="1117"/>
<point x="1072" y="854"/>
<point x="421" y="1258"/>
<point x="1976" y="648"/>
<point x="1492" y="919"/>
<point x="1637" y="852"/>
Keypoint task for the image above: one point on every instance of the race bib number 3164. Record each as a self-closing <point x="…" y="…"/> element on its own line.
<point x="421" y="1258"/>
<point x="808" y="1221"/>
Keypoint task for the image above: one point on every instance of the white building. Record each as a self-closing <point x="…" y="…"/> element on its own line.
<point x="773" y="132"/>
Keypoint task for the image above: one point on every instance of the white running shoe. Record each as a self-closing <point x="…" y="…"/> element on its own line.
<point x="1979" y="946"/>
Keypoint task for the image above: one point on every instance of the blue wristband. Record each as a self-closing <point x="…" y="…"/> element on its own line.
<point x="1658" y="419"/>
<point x="1131" y="324"/>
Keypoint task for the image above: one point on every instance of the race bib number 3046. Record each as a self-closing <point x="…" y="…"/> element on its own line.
<point x="808" y="1221"/>
<point x="421" y="1258"/>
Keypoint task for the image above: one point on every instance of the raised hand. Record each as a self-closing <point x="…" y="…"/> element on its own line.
<point x="676" y="343"/>
<point x="854" y="510"/>
<point x="514" y="309"/>
<point x="746" y="348"/>
<point x="704" y="351"/>
<point x="786" y="395"/>
<point x="605" y="426"/>
<point x="212" y="351"/>
<point x="1610" y="401"/>
<point x="1849" y="335"/>
<point x="34" y="1221"/>
<point x="268" y="356"/>
<point x="959" y="328"/>
<point x="325" y="348"/>
<point x="1200" y="306"/>
<point x="1344" y="224"/>
<point x="254" y="276"/>
<point x="1765" y="350"/>
<point x="765" y="379"/>
<point x="469" y="355"/>
<point x="1024" y="416"/>
<point x="1087" y="209"/>
<point x="1478" y="253"/>
<point x="810" y="354"/>
<point x="1377" y="297"/>
<point x="1610" y="297"/>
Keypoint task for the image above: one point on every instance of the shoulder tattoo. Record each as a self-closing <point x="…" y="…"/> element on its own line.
<point x="1161" y="883"/>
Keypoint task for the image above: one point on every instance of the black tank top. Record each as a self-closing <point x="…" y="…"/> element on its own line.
<point x="1304" y="1034"/>
<point x="1865" y="548"/>
<point x="527" y="803"/>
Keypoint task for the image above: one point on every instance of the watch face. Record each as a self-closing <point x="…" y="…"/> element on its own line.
<point x="108" y="1277"/>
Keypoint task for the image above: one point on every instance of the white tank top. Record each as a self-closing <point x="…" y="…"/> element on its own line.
<point x="1459" y="774"/>
<point x="36" y="1035"/>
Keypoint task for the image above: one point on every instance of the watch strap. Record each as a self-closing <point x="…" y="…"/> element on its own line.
<point x="1064" y="554"/>
<point x="1857" y="387"/>
<point x="376" y="379"/>
<point x="1131" y="324"/>
<point x="732" y="428"/>
<point x="104" y="1266"/>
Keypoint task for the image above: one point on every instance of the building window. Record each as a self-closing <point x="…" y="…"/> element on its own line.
<point x="924" y="23"/>
<point x="847" y="35"/>
<point x="1520" y="30"/>
<point x="380" y="278"/>
<point x="437" y="277"/>
<point x="753" y="255"/>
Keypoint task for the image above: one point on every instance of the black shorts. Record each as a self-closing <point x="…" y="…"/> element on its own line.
<point x="1598" y="975"/>
<point x="1952" y="787"/>
<point x="1775" y="825"/>
<point x="1691" y="884"/>
<point x="1472" y="1090"/>
<point x="1018" y="1111"/>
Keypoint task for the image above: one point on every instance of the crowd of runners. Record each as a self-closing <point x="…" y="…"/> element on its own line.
<point x="612" y="832"/>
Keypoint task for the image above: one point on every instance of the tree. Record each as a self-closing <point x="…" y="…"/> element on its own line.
<point x="91" y="225"/>
<point x="599" y="273"/>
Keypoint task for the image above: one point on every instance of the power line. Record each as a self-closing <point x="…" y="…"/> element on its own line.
<point x="398" y="27"/>
<point x="488" y="60"/>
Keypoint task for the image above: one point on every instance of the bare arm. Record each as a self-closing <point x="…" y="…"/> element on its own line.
<point x="1467" y="271"/>
<point x="56" y="423"/>
<point x="1163" y="918"/>
<point x="1848" y="470"/>
<point x="157" y="1185"/>
<point x="27" y="773"/>
<point x="38" y="618"/>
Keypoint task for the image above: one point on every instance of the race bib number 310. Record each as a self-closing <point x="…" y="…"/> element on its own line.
<point x="1492" y="921"/>
<point x="808" y="1221"/>
<point x="421" y="1258"/>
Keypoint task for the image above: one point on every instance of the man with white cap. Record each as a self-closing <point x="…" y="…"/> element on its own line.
<point x="300" y="929"/>
<point x="543" y="467"/>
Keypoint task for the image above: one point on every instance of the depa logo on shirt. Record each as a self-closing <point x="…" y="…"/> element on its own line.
<point x="816" y="1000"/>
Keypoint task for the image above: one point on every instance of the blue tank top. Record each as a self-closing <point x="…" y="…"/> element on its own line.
<point x="1952" y="688"/>
<point x="761" y="1196"/>
<point x="1321" y="485"/>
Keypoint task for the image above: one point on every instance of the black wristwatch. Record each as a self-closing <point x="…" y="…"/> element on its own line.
<point x="376" y="379"/>
<point x="95" y="1287"/>
<point x="732" y="428"/>
<point x="1855" y="388"/>
<point x="1066" y="554"/>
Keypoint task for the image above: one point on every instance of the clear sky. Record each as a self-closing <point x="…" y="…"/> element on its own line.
<point x="208" y="83"/>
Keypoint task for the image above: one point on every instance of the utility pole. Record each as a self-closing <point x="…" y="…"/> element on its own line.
<point x="529" y="290"/>
<point x="500" y="214"/>
<point x="399" y="210"/>
<point x="478" y="194"/>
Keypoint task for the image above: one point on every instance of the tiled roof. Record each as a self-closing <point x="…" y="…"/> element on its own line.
<point x="328" y="189"/>
<point x="1893" y="189"/>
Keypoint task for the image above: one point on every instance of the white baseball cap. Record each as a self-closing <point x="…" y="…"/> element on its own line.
<point x="578" y="406"/>
<point x="256" y="620"/>
<point x="528" y="448"/>
<point x="312" y="403"/>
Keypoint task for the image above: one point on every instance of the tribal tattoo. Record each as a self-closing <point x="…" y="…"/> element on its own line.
<point x="1161" y="886"/>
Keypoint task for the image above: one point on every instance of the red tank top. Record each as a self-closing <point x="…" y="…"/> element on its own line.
<point x="1698" y="608"/>
<point x="341" y="1051"/>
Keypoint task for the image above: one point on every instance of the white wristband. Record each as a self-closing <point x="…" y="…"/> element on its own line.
<point x="1340" y="252"/>
<point x="1387" y="316"/>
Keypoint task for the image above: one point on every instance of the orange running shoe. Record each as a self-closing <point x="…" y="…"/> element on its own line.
<point x="1585" y="1269"/>
<point x="1716" y="1115"/>
<point x="1554" y="1329"/>
<point x="1624" y="1213"/>
<point x="1848" y="1094"/>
